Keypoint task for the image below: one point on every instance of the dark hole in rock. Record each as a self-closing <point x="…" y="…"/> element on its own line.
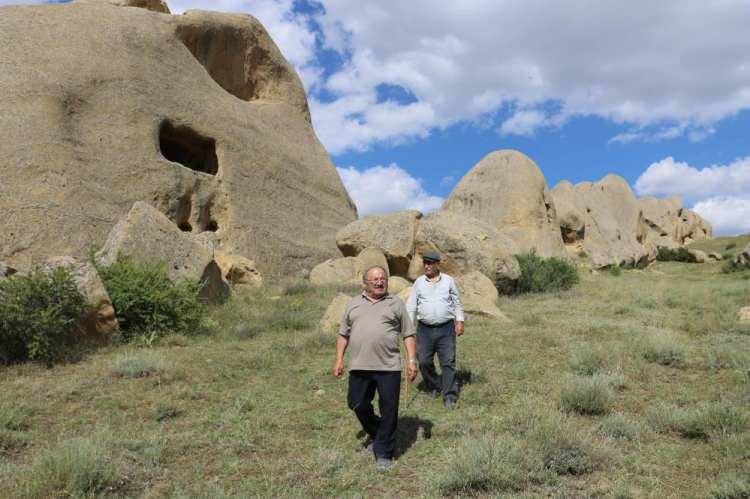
<point x="185" y="227"/>
<point x="187" y="147"/>
<point x="212" y="226"/>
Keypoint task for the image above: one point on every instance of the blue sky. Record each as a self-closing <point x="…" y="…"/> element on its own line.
<point x="408" y="96"/>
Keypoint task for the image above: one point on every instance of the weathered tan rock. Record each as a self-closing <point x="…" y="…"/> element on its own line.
<point x="238" y="270"/>
<point x="146" y="234"/>
<point x="697" y="256"/>
<point x="331" y="320"/>
<point x="197" y="114"/>
<point x="99" y="320"/>
<point x="396" y="284"/>
<point x="153" y="5"/>
<point x="370" y="257"/>
<point x="404" y="294"/>
<point x="6" y="270"/>
<point x="670" y="225"/>
<point x="466" y="244"/>
<point x="714" y="256"/>
<point x="743" y="315"/>
<point x="335" y="271"/>
<point x="743" y="257"/>
<point x="393" y="233"/>
<point x="613" y="231"/>
<point x="479" y="295"/>
<point x="507" y="190"/>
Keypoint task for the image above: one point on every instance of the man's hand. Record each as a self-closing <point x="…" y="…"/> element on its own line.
<point x="338" y="368"/>
<point x="411" y="370"/>
<point x="459" y="328"/>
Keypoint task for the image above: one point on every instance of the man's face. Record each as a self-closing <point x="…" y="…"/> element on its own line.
<point x="431" y="268"/>
<point x="376" y="283"/>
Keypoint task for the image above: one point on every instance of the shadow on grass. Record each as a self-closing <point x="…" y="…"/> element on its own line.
<point x="408" y="432"/>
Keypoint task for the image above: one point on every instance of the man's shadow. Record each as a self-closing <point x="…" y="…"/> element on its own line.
<point x="410" y="428"/>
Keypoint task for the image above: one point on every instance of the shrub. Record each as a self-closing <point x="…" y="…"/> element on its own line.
<point x="732" y="486"/>
<point x="562" y="450"/>
<point x="587" y="361"/>
<point x="619" y="426"/>
<point x="544" y="274"/>
<point x="482" y="466"/>
<point x="163" y="412"/>
<point x="591" y="396"/>
<point x="76" y="468"/>
<point x="709" y="418"/>
<point x="664" y="350"/>
<point x="673" y="255"/>
<point x="732" y="266"/>
<point x="38" y="312"/>
<point x="13" y="418"/>
<point x="138" y="365"/>
<point x="730" y="246"/>
<point x="147" y="302"/>
<point x="615" y="270"/>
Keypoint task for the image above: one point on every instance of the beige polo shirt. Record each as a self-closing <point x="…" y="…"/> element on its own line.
<point x="374" y="331"/>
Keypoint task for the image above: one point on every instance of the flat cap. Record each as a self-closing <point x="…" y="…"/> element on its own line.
<point x="431" y="255"/>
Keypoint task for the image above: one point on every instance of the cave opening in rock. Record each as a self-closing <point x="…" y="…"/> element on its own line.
<point x="183" y="145"/>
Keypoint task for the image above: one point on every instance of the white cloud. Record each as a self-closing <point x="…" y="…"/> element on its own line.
<point x="728" y="215"/>
<point x="653" y="65"/>
<point x="669" y="177"/>
<point x="719" y="193"/>
<point x="384" y="189"/>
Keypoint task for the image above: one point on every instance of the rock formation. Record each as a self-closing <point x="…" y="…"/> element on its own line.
<point x="670" y="225"/>
<point x="146" y="234"/>
<point x="198" y="115"/>
<point x="507" y="190"/>
<point x="603" y="219"/>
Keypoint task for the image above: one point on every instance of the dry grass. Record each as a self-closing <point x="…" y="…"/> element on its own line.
<point x="254" y="411"/>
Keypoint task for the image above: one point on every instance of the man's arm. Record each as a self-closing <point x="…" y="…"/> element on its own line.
<point x="338" y="367"/>
<point x="458" y="308"/>
<point x="411" y="357"/>
<point x="411" y="303"/>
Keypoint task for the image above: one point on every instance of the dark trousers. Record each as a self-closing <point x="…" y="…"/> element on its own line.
<point x="382" y="430"/>
<point x="440" y="340"/>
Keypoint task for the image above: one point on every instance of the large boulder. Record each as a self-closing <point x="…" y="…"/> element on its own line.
<point x="396" y="284"/>
<point x="146" y="234"/>
<point x="393" y="233"/>
<point x="479" y="295"/>
<point x="507" y="190"/>
<point x="612" y="232"/>
<point x="347" y="270"/>
<point x="331" y="320"/>
<point x="153" y="5"/>
<point x="466" y="244"/>
<point x="199" y="115"/>
<point x="99" y="319"/>
<point x="238" y="271"/>
<point x="670" y="225"/>
<point x="697" y="256"/>
<point x="743" y="257"/>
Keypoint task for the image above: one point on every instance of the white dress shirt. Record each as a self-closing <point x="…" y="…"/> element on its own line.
<point x="435" y="302"/>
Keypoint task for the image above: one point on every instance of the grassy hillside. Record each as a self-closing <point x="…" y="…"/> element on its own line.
<point x="727" y="246"/>
<point x="630" y="385"/>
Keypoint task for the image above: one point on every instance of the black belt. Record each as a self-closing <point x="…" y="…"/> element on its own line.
<point x="434" y="326"/>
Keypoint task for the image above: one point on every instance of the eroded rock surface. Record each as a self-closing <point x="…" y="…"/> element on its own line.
<point x="198" y="115"/>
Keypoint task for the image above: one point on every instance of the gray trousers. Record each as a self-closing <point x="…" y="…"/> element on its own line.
<point x="439" y="340"/>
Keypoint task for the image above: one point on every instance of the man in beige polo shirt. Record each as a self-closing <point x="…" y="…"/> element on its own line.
<point x="371" y="328"/>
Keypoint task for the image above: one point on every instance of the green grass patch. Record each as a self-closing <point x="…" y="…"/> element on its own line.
<point x="665" y="350"/>
<point x="731" y="486"/>
<point x="704" y="421"/>
<point x="589" y="396"/>
<point x="618" y="425"/>
<point x="587" y="361"/>
<point x="81" y="467"/>
<point x="139" y="364"/>
<point x="664" y="254"/>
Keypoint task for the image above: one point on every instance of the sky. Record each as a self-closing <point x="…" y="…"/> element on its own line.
<point x="408" y="96"/>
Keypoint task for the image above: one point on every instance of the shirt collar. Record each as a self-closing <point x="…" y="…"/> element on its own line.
<point x="365" y="298"/>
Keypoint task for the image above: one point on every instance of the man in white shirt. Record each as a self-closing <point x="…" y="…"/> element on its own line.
<point x="435" y="307"/>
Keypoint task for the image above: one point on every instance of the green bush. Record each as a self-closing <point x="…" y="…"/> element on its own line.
<point x="77" y="468"/>
<point x="672" y="255"/>
<point x="665" y="350"/>
<point x="733" y="486"/>
<point x="544" y="274"/>
<point x="588" y="361"/>
<point x="731" y="266"/>
<point x="38" y="312"/>
<point x="148" y="303"/>
<point x="591" y="396"/>
<point x="619" y="426"/>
